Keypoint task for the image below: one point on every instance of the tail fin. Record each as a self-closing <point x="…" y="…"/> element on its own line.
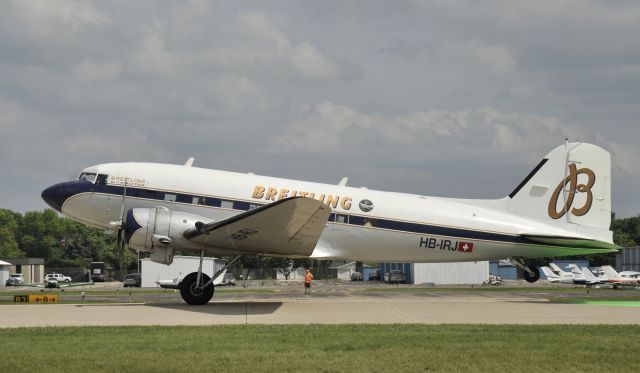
<point x="571" y="187"/>
<point x="611" y="273"/>
<point x="554" y="267"/>
<point x="588" y="275"/>
<point x="548" y="274"/>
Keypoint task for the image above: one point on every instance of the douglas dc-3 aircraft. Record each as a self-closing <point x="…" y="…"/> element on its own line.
<point x="562" y="208"/>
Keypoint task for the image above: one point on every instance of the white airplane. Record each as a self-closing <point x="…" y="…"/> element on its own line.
<point x="616" y="280"/>
<point x="562" y="208"/>
<point x="630" y="274"/>
<point x="592" y="279"/>
<point x="573" y="278"/>
<point x="559" y="271"/>
<point x="554" y="277"/>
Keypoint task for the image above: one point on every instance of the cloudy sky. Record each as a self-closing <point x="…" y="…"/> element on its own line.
<point x="448" y="98"/>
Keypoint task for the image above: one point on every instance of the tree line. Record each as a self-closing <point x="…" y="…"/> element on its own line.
<point x="63" y="242"/>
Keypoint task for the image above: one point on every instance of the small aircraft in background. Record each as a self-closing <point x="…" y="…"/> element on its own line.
<point x="555" y="274"/>
<point x="616" y="280"/>
<point x="559" y="271"/>
<point x="630" y="274"/>
<point x="576" y="278"/>
<point x="554" y="277"/>
<point x="52" y="283"/>
<point x="592" y="279"/>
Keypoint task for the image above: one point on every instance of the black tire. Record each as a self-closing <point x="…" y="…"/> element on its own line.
<point x="193" y="296"/>
<point x="531" y="278"/>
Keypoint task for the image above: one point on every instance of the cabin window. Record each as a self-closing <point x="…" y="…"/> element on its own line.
<point x="88" y="176"/>
<point x="370" y="223"/>
<point x="341" y="218"/>
<point x="215" y="202"/>
<point x="239" y="205"/>
<point x="199" y="201"/>
<point x="356" y="220"/>
<point x="169" y="197"/>
<point x="226" y="204"/>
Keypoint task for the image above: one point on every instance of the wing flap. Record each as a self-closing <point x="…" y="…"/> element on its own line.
<point x="290" y="227"/>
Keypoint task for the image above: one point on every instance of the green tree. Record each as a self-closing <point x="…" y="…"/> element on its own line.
<point x="8" y="245"/>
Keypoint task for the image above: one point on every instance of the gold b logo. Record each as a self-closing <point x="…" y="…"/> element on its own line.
<point x="574" y="188"/>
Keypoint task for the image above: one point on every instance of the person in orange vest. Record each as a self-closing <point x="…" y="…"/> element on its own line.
<point x="307" y="282"/>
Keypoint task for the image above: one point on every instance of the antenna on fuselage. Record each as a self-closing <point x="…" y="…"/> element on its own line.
<point x="189" y="162"/>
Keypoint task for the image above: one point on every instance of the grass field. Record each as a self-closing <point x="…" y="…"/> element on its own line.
<point x="355" y="348"/>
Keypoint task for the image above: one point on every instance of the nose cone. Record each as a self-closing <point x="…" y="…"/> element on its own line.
<point x="56" y="195"/>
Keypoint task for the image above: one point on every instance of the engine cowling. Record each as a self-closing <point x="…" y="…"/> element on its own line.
<point x="160" y="231"/>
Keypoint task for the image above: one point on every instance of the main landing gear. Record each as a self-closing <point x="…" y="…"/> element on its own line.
<point x="531" y="273"/>
<point x="197" y="288"/>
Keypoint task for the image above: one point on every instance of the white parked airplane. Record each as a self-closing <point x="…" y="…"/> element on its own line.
<point x="573" y="277"/>
<point x="559" y="271"/>
<point x="591" y="279"/>
<point x="616" y="280"/>
<point x="554" y="277"/>
<point x="562" y="208"/>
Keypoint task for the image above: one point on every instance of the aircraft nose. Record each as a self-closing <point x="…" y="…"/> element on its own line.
<point x="56" y="195"/>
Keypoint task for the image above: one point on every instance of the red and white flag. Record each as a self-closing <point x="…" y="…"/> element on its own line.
<point x="465" y="247"/>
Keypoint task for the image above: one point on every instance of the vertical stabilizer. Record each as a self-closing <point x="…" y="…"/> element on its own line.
<point x="611" y="273"/>
<point x="571" y="187"/>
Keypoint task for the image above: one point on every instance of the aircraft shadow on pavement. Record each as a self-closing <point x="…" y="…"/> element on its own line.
<point x="227" y="309"/>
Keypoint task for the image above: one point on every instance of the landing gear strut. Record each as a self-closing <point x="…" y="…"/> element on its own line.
<point x="196" y="288"/>
<point x="531" y="273"/>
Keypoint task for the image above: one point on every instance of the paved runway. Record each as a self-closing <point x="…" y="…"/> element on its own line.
<point x="339" y="310"/>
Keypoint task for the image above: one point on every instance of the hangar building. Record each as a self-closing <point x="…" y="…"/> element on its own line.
<point x="4" y="272"/>
<point x="628" y="259"/>
<point x="463" y="273"/>
<point x="181" y="266"/>
<point x="31" y="268"/>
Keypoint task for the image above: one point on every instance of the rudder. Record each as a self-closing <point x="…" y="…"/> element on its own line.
<point x="570" y="187"/>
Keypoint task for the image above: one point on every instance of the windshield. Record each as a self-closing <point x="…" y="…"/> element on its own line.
<point x="88" y="176"/>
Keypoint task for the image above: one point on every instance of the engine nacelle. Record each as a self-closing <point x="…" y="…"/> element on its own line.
<point x="160" y="231"/>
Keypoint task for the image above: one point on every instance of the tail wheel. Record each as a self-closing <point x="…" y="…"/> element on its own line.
<point x="194" y="295"/>
<point x="532" y="277"/>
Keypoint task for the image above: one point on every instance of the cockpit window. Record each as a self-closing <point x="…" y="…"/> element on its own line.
<point x="88" y="176"/>
<point x="102" y="179"/>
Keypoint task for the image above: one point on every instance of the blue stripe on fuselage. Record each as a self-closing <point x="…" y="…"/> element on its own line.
<point x="351" y="219"/>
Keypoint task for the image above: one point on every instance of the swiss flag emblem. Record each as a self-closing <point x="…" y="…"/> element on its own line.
<point x="465" y="247"/>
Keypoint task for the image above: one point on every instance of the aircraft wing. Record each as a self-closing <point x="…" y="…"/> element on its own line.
<point x="290" y="227"/>
<point x="74" y="284"/>
<point x="30" y="285"/>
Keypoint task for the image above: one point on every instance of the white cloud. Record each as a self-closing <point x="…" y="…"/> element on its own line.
<point x="306" y="58"/>
<point x="46" y="19"/>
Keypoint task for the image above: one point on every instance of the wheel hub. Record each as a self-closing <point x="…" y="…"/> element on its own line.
<point x="196" y="290"/>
